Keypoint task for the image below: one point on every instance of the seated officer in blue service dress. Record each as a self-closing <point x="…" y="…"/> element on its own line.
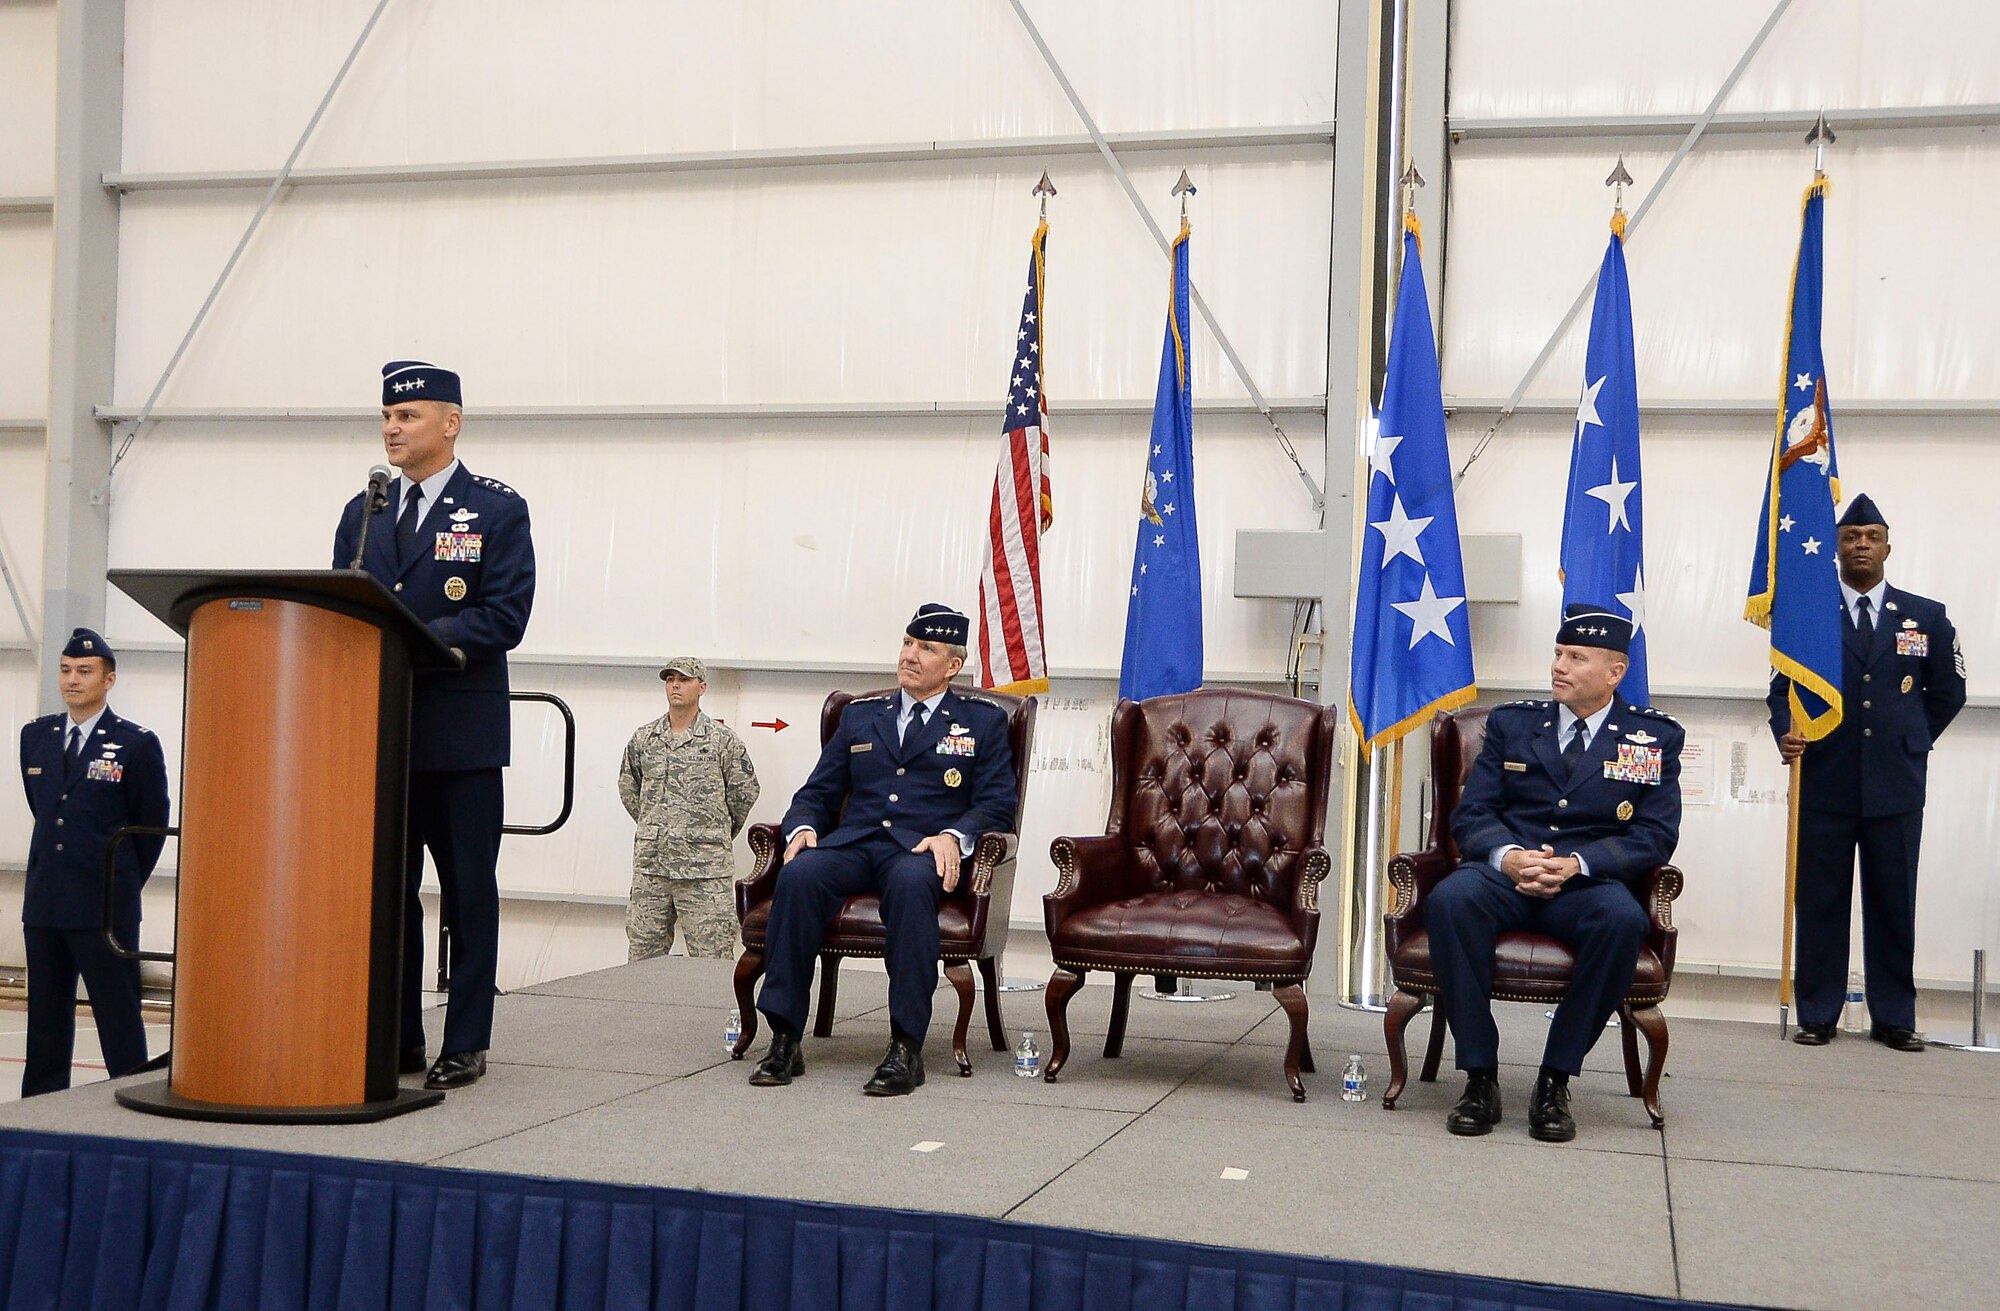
<point x="459" y="555"/>
<point x="1862" y="786"/>
<point x="900" y="795"/>
<point x="1571" y="804"/>
<point x="88" y="774"/>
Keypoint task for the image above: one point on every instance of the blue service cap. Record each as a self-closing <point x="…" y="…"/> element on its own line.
<point x="85" y="642"/>
<point x="1588" y="624"/>
<point x="414" y="380"/>
<point x="1861" y="512"/>
<point x="936" y="622"/>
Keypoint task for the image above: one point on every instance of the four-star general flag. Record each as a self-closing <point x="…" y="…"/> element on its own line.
<point x="1603" y="557"/>
<point x="1412" y="639"/>
<point x="1794" y="579"/>
<point x="1163" y="615"/>
<point x="1011" y="657"/>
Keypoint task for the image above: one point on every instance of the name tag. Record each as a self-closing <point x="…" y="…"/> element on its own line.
<point x="105" y="771"/>
<point x="1913" y="644"/>
<point x="860" y="747"/>
<point x="956" y="745"/>
<point x="458" y="547"/>
<point x="34" y="769"/>
<point x="1515" y="766"/>
<point x="1635" y="764"/>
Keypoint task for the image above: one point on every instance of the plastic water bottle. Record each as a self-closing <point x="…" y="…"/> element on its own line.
<point x="1854" y="1011"/>
<point x="1027" y="1057"/>
<point x="1354" y="1081"/>
<point x="732" y="1032"/>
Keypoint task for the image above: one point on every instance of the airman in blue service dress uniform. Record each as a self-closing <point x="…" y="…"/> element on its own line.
<point x="458" y="553"/>
<point x="88" y="773"/>
<point x="1571" y="804"/>
<point x="1862" y="786"/>
<point x="900" y="795"/>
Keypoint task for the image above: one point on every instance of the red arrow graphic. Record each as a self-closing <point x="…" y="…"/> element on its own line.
<point x="775" y="725"/>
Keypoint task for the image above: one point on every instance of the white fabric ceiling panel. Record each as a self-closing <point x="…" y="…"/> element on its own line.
<point x="28" y="97"/>
<point x="471" y="79"/>
<point x="865" y="285"/>
<point x="1908" y="305"/>
<point x="23" y="472"/>
<point x="1562" y="58"/>
<point x="1703" y="479"/>
<point x="26" y="252"/>
<point x="745" y="541"/>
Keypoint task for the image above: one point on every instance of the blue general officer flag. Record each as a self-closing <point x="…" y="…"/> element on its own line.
<point x="1603" y="557"/>
<point x="1794" y="578"/>
<point x="1163" y="616"/>
<point x="1412" y="639"/>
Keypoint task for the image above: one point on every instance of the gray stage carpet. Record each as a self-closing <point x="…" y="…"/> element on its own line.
<point x="1848" y="1176"/>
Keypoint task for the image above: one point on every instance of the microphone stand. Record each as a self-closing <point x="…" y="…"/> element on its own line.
<point x="373" y="499"/>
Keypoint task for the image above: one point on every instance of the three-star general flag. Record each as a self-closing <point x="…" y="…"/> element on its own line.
<point x="1412" y="637"/>
<point x="1794" y="578"/>
<point x="1163" y="616"/>
<point x="1603" y="557"/>
<point x="1011" y="656"/>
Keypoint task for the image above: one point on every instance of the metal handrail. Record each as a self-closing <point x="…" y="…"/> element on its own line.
<point x="111" y="888"/>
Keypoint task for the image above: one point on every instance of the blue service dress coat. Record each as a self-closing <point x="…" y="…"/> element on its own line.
<point x="956" y="774"/>
<point x="120" y="779"/>
<point x="1620" y="813"/>
<point x="472" y="581"/>
<point x="1900" y="690"/>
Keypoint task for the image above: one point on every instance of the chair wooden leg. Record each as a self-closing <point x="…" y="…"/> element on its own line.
<point x="960" y="974"/>
<point x="1434" y="1054"/>
<point x="996" y="1027"/>
<point x="1121" y="1004"/>
<point x="1654" y="1026"/>
<point x="1062" y="985"/>
<point x="1403" y="1007"/>
<point x="1628" y="1033"/>
<point x="749" y="968"/>
<point x="829" y="990"/>
<point x="1306" y="1059"/>
<point x="1293" y="998"/>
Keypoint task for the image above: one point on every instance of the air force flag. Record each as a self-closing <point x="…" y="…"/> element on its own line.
<point x="1794" y="578"/>
<point x="1163" y="650"/>
<point x="1603" y="557"/>
<point x="1412" y="638"/>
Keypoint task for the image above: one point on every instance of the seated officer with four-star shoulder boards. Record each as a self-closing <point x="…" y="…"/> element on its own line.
<point x="1862" y="786"/>
<point x="901" y="793"/>
<point x="461" y="558"/>
<point x="1571" y="804"/>
<point x="87" y="773"/>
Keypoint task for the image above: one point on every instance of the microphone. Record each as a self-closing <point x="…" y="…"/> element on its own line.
<point x="372" y="501"/>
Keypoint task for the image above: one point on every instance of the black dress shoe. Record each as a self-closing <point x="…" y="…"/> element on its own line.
<point x="1901" y="1040"/>
<point x="456" y="1070"/>
<point x="782" y="1063"/>
<point x="1813" y="1035"/>
<point x="1478" y="1108"/>
<point x="900" y="1073"/>
<point x="410" y="1059"/>
<point x="1548" y="1113"/>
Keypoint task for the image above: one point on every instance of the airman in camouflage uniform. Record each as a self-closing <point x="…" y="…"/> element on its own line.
<point x="689" y="785"/>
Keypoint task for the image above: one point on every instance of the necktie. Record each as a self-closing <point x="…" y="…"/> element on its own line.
<point x="75" y="752"/>
<point x="1573" y="753"/>
<point x="406" y="527"/>
<point x="916" y="724"/>
<point x="1864" y="622"/>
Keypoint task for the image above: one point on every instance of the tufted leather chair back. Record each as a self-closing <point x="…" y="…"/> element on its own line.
<point x="1213" y="790"/>
<point x="1456" y="739"/>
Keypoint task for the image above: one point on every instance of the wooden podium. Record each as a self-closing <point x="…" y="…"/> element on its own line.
<point x="294" y="791"/>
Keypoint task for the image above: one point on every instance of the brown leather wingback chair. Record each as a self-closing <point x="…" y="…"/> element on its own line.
<point x="1528" y="967"/>
<point x="972" y="920"/>
<point x="1210" y="862"/>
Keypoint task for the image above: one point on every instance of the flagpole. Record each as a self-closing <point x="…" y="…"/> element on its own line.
<point x="1791" y="901"/>
<point x="1394" y="835"/>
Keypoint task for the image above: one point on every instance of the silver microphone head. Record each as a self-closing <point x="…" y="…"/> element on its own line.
<point x="380" y="475"/>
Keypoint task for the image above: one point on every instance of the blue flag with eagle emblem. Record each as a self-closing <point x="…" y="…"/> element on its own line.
<point x="1412" y="633"/>
<point x="1794" y="576"/>
<point x="1603" y="559"/>
<point x="1163" y="615"/>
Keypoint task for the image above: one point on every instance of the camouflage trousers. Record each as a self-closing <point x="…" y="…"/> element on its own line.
<point x="705" y="909"/>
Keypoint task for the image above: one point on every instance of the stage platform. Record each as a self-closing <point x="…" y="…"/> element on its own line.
<point x="1849" y="1176"/>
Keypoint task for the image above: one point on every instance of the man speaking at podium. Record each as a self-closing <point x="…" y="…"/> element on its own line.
<point x="459" y="555"/>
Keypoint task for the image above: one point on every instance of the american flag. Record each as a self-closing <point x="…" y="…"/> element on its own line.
<point x="1011" y="658"/>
